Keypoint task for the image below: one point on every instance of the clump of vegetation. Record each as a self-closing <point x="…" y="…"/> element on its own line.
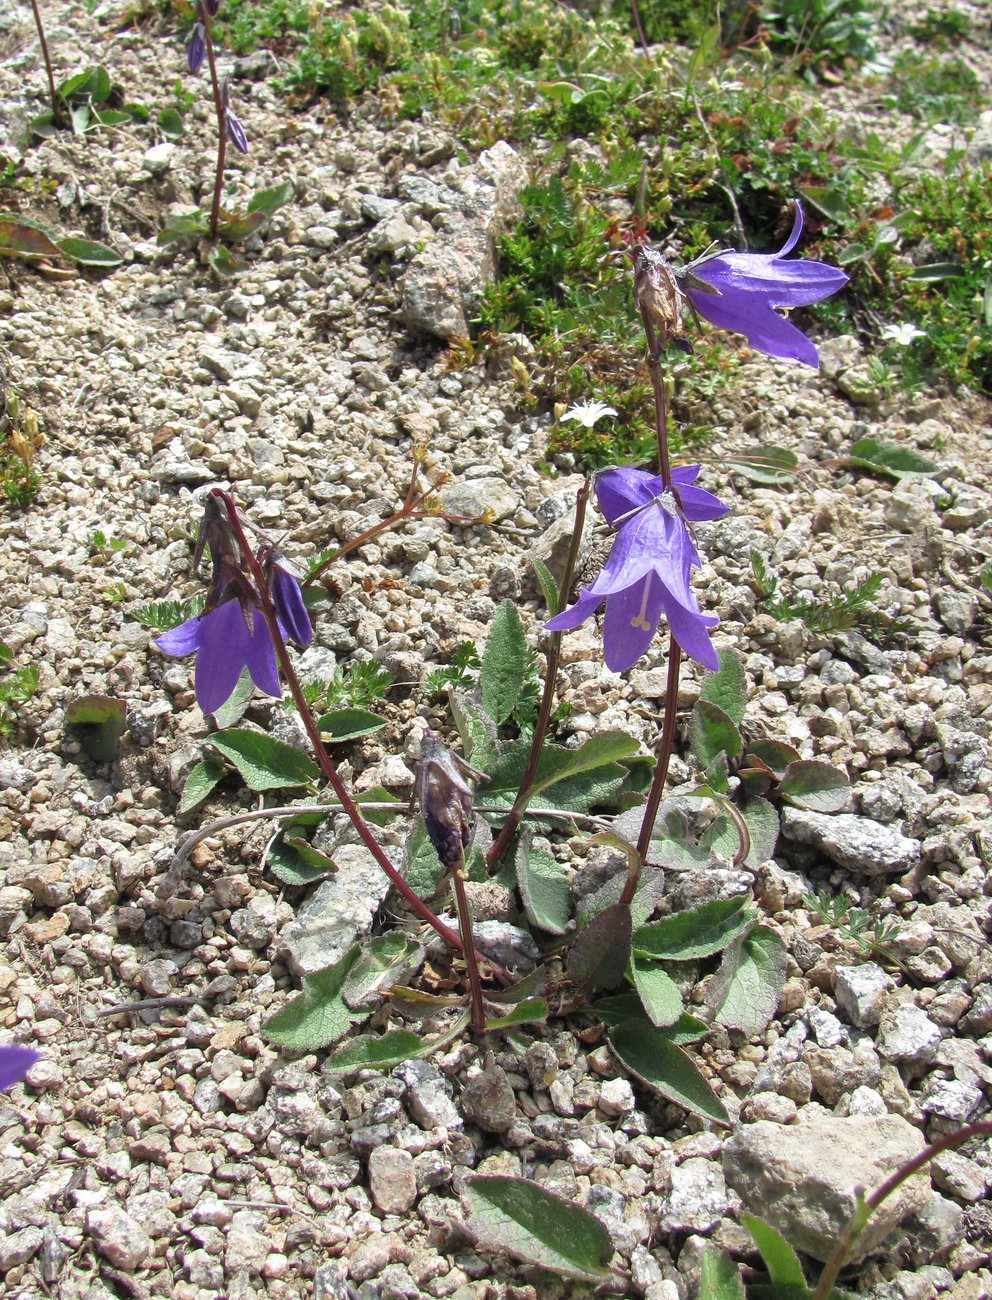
<point x="22" y="438"/>
<point x="17" y="686"/>
<point x="849" y="608"/>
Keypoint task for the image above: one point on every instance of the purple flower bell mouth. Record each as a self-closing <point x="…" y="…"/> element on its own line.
<point x="224" y="645"/>
<point x="750" y="286"/>
<point x="648" y="570"/>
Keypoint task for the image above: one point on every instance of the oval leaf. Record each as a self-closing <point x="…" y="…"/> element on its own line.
<point x="719" y="1277"/>
<point x="530" y="1011"/>
<point x="24" y="239"/>
<point x="745" y="990"/>
<point x="89" y="253"/>
<point x="319" y="1016"/>
<point x="599" y="953"/>
<point x="385" y="960"/>
<point x="815" y="786"/>
<point x="653" y="1058"/>
<point x="727" y="687"/>
<point x="658" y="992"/>
<point x="200" y="782"/>
<point x="891" y="458"/>
<point x="544" y="888"/>
<point x="379" y="1051"/>
<point x="263" y="762"/>
<point x="697" y="932"/>
<point x="504" y="664"/>
<point x="712" y="733"/>
<point x="348" y="724"/>
<point x="781" y="1261"/>
<point x="518" y="1216"/>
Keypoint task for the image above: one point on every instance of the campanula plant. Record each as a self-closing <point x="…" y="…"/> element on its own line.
<point x="200" y="49"/>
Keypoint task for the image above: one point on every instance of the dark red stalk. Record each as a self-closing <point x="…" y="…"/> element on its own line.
<point x="515" y="814"/>
<point x="56" y="101"/>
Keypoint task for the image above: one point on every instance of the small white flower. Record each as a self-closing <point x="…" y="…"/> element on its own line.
<point x="902" y="335"/>
<point x="587" y="413"/>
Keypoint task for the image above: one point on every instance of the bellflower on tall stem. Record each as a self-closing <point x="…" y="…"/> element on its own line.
<point x="648" y="570"/>
<point x="741" y="291"/>
<point x="232" y="634"/>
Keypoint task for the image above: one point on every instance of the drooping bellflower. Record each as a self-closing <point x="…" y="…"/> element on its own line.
<point x="648" y="570"/>
<point x="231" y="634"/>
<point x="741" y="291"/>
<point x="441" y="789"/>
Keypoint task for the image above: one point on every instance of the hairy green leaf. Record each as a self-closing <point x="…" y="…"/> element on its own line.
<point x="320" y="1015"/>
<point x="745" y="990"/>
<point x="651" y="1056"/>
<point x="815" y="786"/>
<point x="348" y="724"/>
<point x="263" y="762"/>
<point x="201" y="780"/>
<point x="504" y="664"/>
<point x="544" y="888"/>
<point x="534" y="1225"/>
<point x="727" y="687"/>
<point x="719" y="1278"/>
<point x="697" y="932"/>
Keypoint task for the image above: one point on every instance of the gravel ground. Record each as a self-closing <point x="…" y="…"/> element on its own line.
<point x="167" y="1148"/>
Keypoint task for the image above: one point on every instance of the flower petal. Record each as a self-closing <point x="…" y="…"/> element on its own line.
<point x="224" y="646"/>
<point x="583" y="608"/>
<point x="699" y="505"/>
<point x="182" y="639"/>
<point x="763" y="328"/>
<point x="688" y="627"/>
<point x="631" y="622"/>
<point x="288" y="600"/>
<point x="622" y="489"/>
<point x="261" y="658"/>
<point x="644" y="543"/>
<point x="15" y="1061"/>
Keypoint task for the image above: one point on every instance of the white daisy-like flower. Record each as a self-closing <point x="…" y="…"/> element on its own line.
<point x="587" y="413"/>
<point x="903" y="334"/>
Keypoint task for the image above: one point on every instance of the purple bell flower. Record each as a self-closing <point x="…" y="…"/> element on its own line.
<point x="196" y="51"/>
<point x="290" y="606"/>
<point x="648" y="570"/>
<point x="749" y="286"/>
<point x="15" y="1061"/>
<point x="224" y="645"/>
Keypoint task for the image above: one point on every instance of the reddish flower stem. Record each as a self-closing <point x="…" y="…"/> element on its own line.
<point x="516" y="813"/>
<point x="667" y="741"/>
<point x="323" y="758"/>
<point x="468" y="947"/>
<point x="208" y="39"/>
<point x="56" y="101"/>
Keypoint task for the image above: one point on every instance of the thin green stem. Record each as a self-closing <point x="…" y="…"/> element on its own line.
<point x="56" y="102"/>
<point x="208" y="39"/>
<point x="516" y="813"/>
<point x="860" y="1219"/>
<point x="323" y="758"/>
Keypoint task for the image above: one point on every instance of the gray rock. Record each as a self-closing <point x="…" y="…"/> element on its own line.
<point x="552" y="547"/>
<point x="492" y="497"/>
<point x="487" y="1100"/>
<point x="158" y="159"/>
<point x="392" y="1181"/>
<point x="861" y="992"/>
<point x="853" y="842"/>
<point x="908" y="1036"/>
<point x="697" y="1199"/>
<point x="953" y="1099"/>
<point x="18" y="1247"/>
<point x="119" y="1238"/>
<point x="428" y="1095"/>
<point x="442" y="286"/>
<point x="394" y="235"/>
<point x="805" y="1178"/>
<point x="957" y="610"/>
<point x="620" y="1215"/>
<point x="340" y="910"/>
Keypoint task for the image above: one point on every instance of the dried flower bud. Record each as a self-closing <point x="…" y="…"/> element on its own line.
<point x="657" y="293"/>
<point x="445" y="799"/>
